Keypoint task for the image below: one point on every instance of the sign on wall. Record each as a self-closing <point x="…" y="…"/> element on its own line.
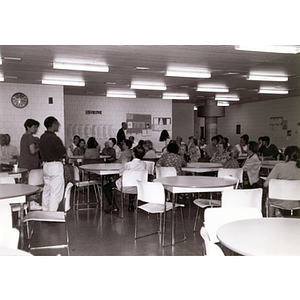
<point x="160" y="124"/>
<point x="138" y="123"/>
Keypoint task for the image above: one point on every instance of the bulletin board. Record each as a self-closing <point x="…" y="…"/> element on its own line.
<point x="138" y="123"/>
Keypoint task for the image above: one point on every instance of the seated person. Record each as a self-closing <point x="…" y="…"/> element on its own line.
<point x="132" y="139"/>
<point x="172" y="159"/>
<point x="135" y="165"/>
<point x="80" y="149"/>
<point x="125" y="153"/>
<point x="8" y="151"/>
<point x="108" y="150"/>
<point x="252" y="167"/>
<point x="202" y="146"/>
<point x="150" y="152"/>
<point x="92" y="150"/>
<point x="211" y="148"/>
<point x="241" y="149"/>
<point x="223" y="157"/>
<point x="73" y="146"/>
<point x="118" y="148"/>
<point x="193" y="149"/>
<point x="266" y="150"/>
<point x="289" y="170"/>
<point x="183" y="152"/>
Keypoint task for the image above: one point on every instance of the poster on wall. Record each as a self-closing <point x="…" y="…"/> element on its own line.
<point x="276" y="123"/>
<point x="137" y="123"/>
<point x="161" y="123"/>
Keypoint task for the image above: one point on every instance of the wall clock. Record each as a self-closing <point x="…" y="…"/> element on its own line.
<point x="19" y="100"/>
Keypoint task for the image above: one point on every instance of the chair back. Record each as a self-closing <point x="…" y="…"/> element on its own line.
<point x="130" y="177"/>
<point x="214" y="218"/>
<point x="9" y="238"/>
<point x="150" y="166"/>
<point x="76" y="174"/>
<point x="7" y="180"/>
<point x="151" y="192"/>
<point x="236" y="173"/>
<point x="242" y="198"/>
<point x="211" y="249"/>
<point x="3" y="174"/>
<point x="67" y="196"/>
<point x="5" y="216"/>
<point x="165" y="172"/>
<point x="284" y="189"/>
<point x="36" y="177"/>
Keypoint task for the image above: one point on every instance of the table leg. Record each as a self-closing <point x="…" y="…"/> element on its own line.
<point x="173" y="218"/>
<point x="22" y="225"/>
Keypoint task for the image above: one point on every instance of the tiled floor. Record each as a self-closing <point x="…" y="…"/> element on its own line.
<point x="95" y="233"/>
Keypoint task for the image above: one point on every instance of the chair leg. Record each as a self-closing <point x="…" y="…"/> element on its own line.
<point x="183" y="226"/>
<point x="196" y="219"/>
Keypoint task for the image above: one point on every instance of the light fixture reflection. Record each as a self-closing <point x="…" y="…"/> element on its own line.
<point x="187" y="72"/>
<point x="148" y="86"/>
<point x="176" y="96"/>
<point x="80" y="67"/>
<point x="63" y="82"/>
<point x="120" y="94"/>
<point x="267" y="77"/>
<point x="272" y="91"/>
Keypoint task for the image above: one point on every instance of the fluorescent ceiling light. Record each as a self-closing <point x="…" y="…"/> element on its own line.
<point x="195" y="108"/>
<point x="12" y="58"/>
<point x="212" y="89"/>
<point x="63" y="82"/>
<point x="141" y="68"/>
<point x="191" y="72"/>
<point x="148" y="86"/>
<point x="222" y="103"/>
<point x="270" y="48"/>
<point x="79" y="67"/>
<point x="225" y="97"/>
<point x="0" y="61"/>
<point x="272" y="91"/>
<point x="267" y="77"/>
<point x="175" y="96"/>
<point x="1" y="78"/>
<point x="121" y="94"/>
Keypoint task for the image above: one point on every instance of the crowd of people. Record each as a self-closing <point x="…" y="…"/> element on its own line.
<point x="49" y="152"/>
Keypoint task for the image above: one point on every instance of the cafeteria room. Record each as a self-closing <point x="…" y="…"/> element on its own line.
<point x="149" y="150"/>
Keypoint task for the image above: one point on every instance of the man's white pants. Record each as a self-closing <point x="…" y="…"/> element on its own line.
<point x="54" y="185"/>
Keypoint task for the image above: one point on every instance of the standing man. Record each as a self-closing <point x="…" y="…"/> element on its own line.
<point x="52" y="151"/>
<point x="121" y="133"/>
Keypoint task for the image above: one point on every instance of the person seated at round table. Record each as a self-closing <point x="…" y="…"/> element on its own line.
<point x="126" y="155"/>
<point x="92" y="150"/>
<point x="80" y="149"/>
<point x="288" y="170"/>
<point x="109" y="151"/>
<point x="8" y="151"/>
<point x="183" y="152"/>
<point x="171" y="158"/>
<point x="224" y="157"/>
<point x="150" y="152"/>
<point x="193" y="149"/>
<point x="267" y="150"/>
<point x="73" y="146"/>
<point x="241" y="149"/>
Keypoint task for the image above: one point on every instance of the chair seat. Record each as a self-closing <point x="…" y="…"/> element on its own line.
<point x="155" y="208"/>
<point x="46" y="216"/>
<point x="203" y="203"/>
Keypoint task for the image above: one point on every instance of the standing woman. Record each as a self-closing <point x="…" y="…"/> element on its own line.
<point x="29" y="148"/>
<point x="289" y="170"/>
<point x="164" y="137"/>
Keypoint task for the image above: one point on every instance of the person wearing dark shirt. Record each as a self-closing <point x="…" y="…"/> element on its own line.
<point x="268" y="151"/>
<point x="52" y="152"/>
<point x="108" y="150"/>
<point x="121" y="133"/>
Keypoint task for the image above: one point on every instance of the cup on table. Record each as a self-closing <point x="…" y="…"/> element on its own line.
<point x="15" y="167"/>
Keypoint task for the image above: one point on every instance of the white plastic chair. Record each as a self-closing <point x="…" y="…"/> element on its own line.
<point x="287" y="190"/>
<point x="150" y="166"/>
<point x="153" y="194"/>
<point x="14" y="207"/>
<point x="50" y="216"/>
<point x="242" y="198"/>
<point x="204" y="203"/>
<point x="85" y="184"/>
<point x="165" y="172"/>
<point x="129" y="184"/>
<point x="214" y="218"/>
<point x="210" y="248"/>
<point x="36" y="177"/>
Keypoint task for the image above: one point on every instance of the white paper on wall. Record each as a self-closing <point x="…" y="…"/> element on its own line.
<point x="105" y="132"/>
<point x="100" y="132"/>
<point x="69" y="131"/>
<point x="94" y="131"/>
<point x="75" y="129"/>
<point x="80" y="130"/>
<point x="111" y="132"/>
<point x="87" y="131"/>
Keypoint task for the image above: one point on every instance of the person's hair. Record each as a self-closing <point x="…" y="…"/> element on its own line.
<point x="76" y="136"/>
<point x="179" y="139"/>
<point x="245" y="137"/>
<point x="172" y="148"/>
<point x="139" y="152"/>
<point x="92" y="143"/>
<point x="260" y="138"/>
<point x="81" y="140"/>
<point x="293" y="153"/>
<point x="113" y="140"/>
<point x="203" y="138"/>
<point x="128" y="143"/>
<point x="164" y="136"/>
<point x="225" y="145"/>
<point x="30" y="122"/>
<point x="266" y="139"/>
<point x="220" y="137"/>
<point x="226" y="140"/>
<point x="253" y="146"/>
<point x="148" y="144"/>
<point x="183" y="145"/>
<point x="131" y="138"/>
<point x="50" y="121"/>
<point x="215" y="138"/>
<point x="141" y="143"/>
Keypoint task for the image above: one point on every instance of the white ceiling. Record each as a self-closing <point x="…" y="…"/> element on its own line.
<point x="227" y="66"/>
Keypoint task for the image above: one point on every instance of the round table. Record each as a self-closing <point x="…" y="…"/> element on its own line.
<point x="270" y="164"/>
<point x="193" y="184"/>
<point x="262" y="237"/>
<point x="16" y="173"/>
<point x="201" y="167"/>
